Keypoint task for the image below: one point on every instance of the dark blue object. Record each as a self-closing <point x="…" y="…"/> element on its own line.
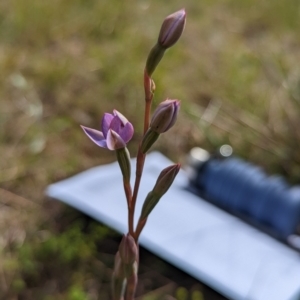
<point x="246" y="190"/>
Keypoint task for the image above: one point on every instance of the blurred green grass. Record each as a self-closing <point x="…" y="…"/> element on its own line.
<point x="65" y="63"/>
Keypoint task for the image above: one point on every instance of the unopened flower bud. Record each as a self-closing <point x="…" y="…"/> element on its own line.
<point x="165" y="179"/>
<point x="128" y="250"/>
<point x="172" y="29"/>
<point x="163" y="119"/>
<point x="163" y="183"/>
<point x="165" y="115"/>
<point x="169" y="34"/>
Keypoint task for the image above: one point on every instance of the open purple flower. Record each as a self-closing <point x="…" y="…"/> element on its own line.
<point x="116" y="132"/>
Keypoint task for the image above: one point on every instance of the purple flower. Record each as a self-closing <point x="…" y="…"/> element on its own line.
<point x="116" y="131"/>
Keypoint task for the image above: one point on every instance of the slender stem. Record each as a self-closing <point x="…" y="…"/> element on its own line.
<point x="140" y="156"/>
<point x="139" y="228"/>
<point x="148" y="86"/>
<point x="128" y="192"/>
<point x="139" y="170"/>
<point x="147" y="116"/>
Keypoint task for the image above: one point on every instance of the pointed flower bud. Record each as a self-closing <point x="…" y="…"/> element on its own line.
<point x="165" y="179"/>
<point x="163" y="119"/>
<point x="163" y="183"/>
<point x="169" y="34"/>
<point x="165" y="115"/>
<point x="116" y="132"/>
<point x="172" y="29"/>
<point x="128" y="250"/>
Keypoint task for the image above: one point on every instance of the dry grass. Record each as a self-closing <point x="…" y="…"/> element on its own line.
<point x="64" y="63"/>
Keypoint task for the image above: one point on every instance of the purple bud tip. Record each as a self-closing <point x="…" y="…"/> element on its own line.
<point x="172" y="29"/>
<point x="165" y="115"/>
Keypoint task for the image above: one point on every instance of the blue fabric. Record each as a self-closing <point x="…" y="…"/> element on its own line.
<point x="246" y="189"/>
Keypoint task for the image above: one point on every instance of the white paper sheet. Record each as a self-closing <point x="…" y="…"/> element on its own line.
<point x="215" y="247"/>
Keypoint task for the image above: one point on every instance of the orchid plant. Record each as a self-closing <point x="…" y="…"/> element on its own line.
<point x="116" y="132"/>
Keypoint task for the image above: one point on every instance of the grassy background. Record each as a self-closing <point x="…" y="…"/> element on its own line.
<point x="65" y="63"/>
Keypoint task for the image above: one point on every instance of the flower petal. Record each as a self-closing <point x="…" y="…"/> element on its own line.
<point x="116" y="124"/>
<point x="114" y="141"/>
<point x="121" y="125"/>
<point x="127" y="132"/>
<point x="120" y="116"/>
<point x="105" y="123"/>
<point x="96" y="136"/>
